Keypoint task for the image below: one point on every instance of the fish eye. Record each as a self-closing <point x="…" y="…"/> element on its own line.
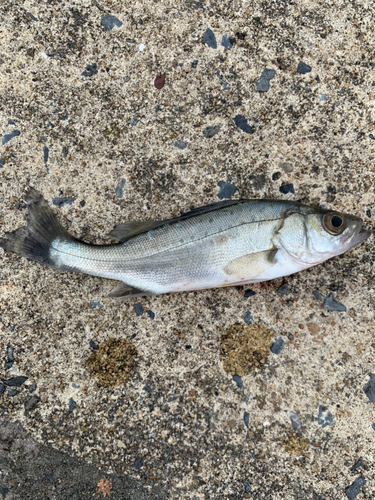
<point x="334" y="223"/>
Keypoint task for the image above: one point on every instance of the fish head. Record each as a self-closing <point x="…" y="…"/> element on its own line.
<point x="317" y="235"/>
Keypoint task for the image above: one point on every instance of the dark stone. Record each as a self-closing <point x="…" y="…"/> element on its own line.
<point x="303" y="68"/>
<point x="249" y="293"/>
<point x="353" y="490"/>
<point x="138" y="309"/>
<point x="138" y="463"/>
<point x="7" y="137"/>
<point x="317" y="295"/>
<point x="209" y="132"/>
<point x="4" y="491"/>
<point x="368" y="212"/>
<point x="11" y="122"/>
<point x="295" y="420"/>
<point x="373" y="427"/>
<point x="246" y="418"/>
<point x="119" y="190"/>
<point x="15" y="381"/>
<point x="45" y="154"/>
<point x="283" y="288"/>
<point x="263" y="83"/>
<point x="1" y="162"/>
<point x="64" y="152"/>
<point x="93" y="345"/>
<point x="356" y="466"/>
<point x="369" y="388"/>
<point x="82" y="203"/>
<point x="33" y="18"/>
<point x="277" y="346"/>
<point x="62" y="202"/>
<point x="246" y="486"/>
<point x="241" y="122"/>
<point x="109" y="22"/>
<point x="238" y="380"/>
<point x="324" y="418"/>
<point x="2" y="388"/>
<point x="95" y="305"/>
<point x="133" y="122"/>
<point x="371" y="136"/>
<point x="180" y="144"/>
<point x="330" y="304"/>
<point x="12" y="393"/>
<point x="209" y="39"/>
<point x="287" y="188"/>
<point x="72" y="405"/>
<point x="10" y="357"/>
<point x="227" y="190"/>
<point x="91" y="70"/>
<point x="32" y="387"/>
<point x="194" y="64"/>
<point x="150" y="313"/>
<point x="276" y="176"/>
<point x="248" y="319"/>
<point x="225" y="42"/>
<point x="31" y="403"/>
<point x="159" y="81"/>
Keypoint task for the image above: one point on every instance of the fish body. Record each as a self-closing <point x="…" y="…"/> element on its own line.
<point x="228" y="243"/>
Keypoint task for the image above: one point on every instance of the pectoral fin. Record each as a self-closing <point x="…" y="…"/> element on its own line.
<point x="124" y="291"/>
<point x="252" y="264"/>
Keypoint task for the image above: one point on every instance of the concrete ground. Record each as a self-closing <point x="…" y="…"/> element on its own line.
<point x="281" y="107"/>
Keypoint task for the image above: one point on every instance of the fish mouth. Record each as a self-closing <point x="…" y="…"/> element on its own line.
<point x="359" y="236"/>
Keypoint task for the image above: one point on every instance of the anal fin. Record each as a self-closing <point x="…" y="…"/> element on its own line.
<point x="124" y="291"/>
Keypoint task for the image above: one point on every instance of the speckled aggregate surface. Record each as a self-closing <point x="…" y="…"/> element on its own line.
<point x="83" y="121"/>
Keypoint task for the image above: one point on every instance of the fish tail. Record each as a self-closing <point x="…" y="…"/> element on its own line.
<point x="34" y="241"/>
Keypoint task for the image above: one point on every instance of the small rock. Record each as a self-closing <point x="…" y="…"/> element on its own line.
<point x="64" y="152"/>
<point x="138" y="463"/>
<point x="119" y="189"/>
<point x="353" y="490"/>
<point x="241" y="122"/>
<point x="93" y="345"/>
<point x="276" y="176"/>
<point x="95" y="305"/>
<point x="1" y="162"/>
<point x="277" y="346"/>
<point x="209" y="132"/>
<point x="225" y="42"/>
<point x="194" y="64"/>
<point x="45" y="154"/>
<point x="246" y="418"/>
<point x="15" y="381"/>
<point x="209" y="39"/>
<point x="141" y="47"/>
<point x="11" y="122"/>
<point x="109" y="22"/>
<point x="295" y="420"/>
<point x="31" y="403"/>
<point x="317" y="295"/>
<point x="322" y="97"/>
<point x="126" y="79"/>
<point x="330" y="304"/>
<point x="324" y="418"/>
<point x="133" y="122"/>
<point x="7" y="137"/>
<point x="91" y="70"/>
<point x="62" y="202"/>
<point x="180" y="144"/>
<point x="287" y="188"/>
<point x="2" y="388"/>
<point x="369" y="388"/>
<point x="368" y="211"/>
<point x="263" y="83"/>
<point x="287" y="167"/>
<point x="371" y="136"/>
<point x="10" y="357"/>
<point x="159" y="81"/>
<point x="138" y="309"/>
<point x="32" y="387"/>
<point x="238" y="380"/>
<point x="283" y="289"/>
<point x="72" y="405"/>
<point x="12" y="393"/>
<point x="249" y="293"/>
<point x="246" y="486"/>
<point x="313" y="328"/>
<point x="33" y="18"/>
<point x="356" y="466"/>
<point x="227" y="190"/>
<point x="373" y="427"/>
<point x="248" y="319"/>
<point x="303" y="68"/>
<point x="150" y="313"/>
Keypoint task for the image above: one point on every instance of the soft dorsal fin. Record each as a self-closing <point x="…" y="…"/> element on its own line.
<point x="126" y="230"/>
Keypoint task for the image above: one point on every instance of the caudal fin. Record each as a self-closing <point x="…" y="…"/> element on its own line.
<point x="34" y="241"/>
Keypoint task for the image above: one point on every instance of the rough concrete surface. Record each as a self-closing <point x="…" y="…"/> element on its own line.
<point x="87" y="118"/>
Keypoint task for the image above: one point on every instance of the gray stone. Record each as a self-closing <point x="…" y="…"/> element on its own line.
<point x="323" y="97"/>
<point x="287" y="188"/>
<point x="241" y="122"/>
<point x="303" y="68"/>
<point x="325" y="418"/>
<point x="95" y="305"/>
<point x="138" y="309"/>
<point x="72" y="405"/>
<point x="353" y="490"/>
<point x="263" y="84"/>
<point x="7" y="137"/>
<point x="246" y="418"/>
<point x="317" y="295"/>
<point x="91" y="70"/>
<point x="31" y="403"/>
<point x="295" y="420"/>
<point x="330" y="304"/>
<point x="277" y="346"/>
<point x="210" y="131"/>
<point x="283" y="288"/>
<point x="287" y="167"/>
<point x="119" y="190"/>
<point x="15" y="381"/>
<point x="62" y="202"/>
<point x="134" y="122"/>
<point x="225" y="42"/>
<point x="227" y="190"/>
<point x="45" y="154"/>
<point x="209" y="39"/>
<point x="238" y="380"/>
<point x="369" y="388"/>
<point x="180" y="144"/>
<point x="246" y="486"/>
<point x="109" y="22"/>
<point x="248" y="319"/>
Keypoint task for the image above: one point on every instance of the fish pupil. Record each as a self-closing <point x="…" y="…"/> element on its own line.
<point x="336" y="221"/>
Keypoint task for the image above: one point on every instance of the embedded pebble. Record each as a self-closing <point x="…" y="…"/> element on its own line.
<point x="248" y="319"/>
<point x="159" y="81"/>
<point x="227" y="190"/>
<point x="95" y="305"/>
<point x="91" y="70"/>
<point x="2" y="388"/>
<point x="93" y="345"/>
<point x="194" y="64"/>
<point x="295" y="420"/>
<point x="241" y="122"/>
<point x="371" y="136"/>
<point x="303" y="68"/>
<point x="277" y="346"/>
<point x="368" y="212"/>
<point x="287" y="188"/>
<point x="62" y="202"/>
<point x="210" y="131"/>
<point x="323" y="97"/>
<point x="209" y="39"/>
<point x="10" y="357"/>
<point x="33" y="18"/>
<point x="12" y="393"/>
<point x="225" y="42"/>
<point x="369" y="388"/>
<point x="317" y="295"/>
<point x="150" y="314"/>
<point x="15" y="381"/>
<point x="109" y="22"/>
<point x="287" y="167"/>
<point x="249" y="293"/>
<point x="141" y="47"/>
<point x="330" y="304"/>
<point x="246" y="418"/>
<point x="45" y="154"/>
<point x="119" y="189"/>
<point x="133" y="122"/>
<point x="325" y="418"/>
<point x="31" y="403"/>
<point x="7" y="137"/>
<point x="72" y="405"/>
<point x="238" y="380"/>
<point x="283" y="288"/>
<point x="246" y="486"/>
<point x="180" y="144"/>
<point x="354" y="489"/>
<point x="138" y="309"/>
<point x="11" y="122"/>
<point x="263" y="83"/>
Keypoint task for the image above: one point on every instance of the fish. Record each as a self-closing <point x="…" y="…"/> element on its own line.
<point x="228" y="243"/>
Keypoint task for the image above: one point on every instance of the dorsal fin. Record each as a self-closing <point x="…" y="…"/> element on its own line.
<point x="126" y="230"/>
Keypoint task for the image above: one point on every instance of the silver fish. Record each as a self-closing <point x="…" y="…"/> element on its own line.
<point x="233" y="242"/>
